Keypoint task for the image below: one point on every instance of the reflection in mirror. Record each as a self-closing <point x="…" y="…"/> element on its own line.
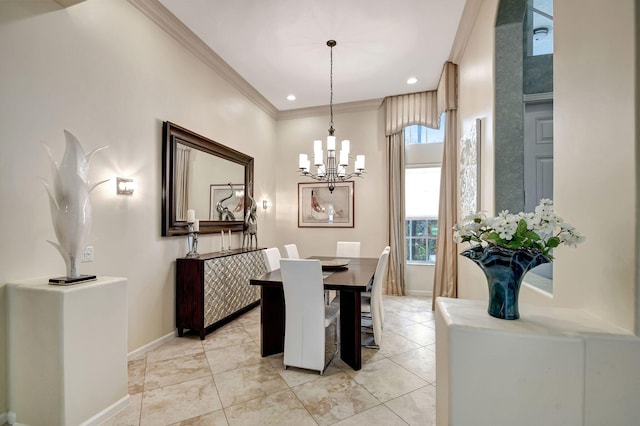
<point x="201" y="183"/>
<point x="202" y="175"/>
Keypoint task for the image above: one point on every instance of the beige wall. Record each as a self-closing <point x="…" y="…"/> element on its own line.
<point x="295" y="136"/>
<point x="476" y="100"/>
<point x="109" y="75"/>
<point x="594" y="155"/>
<point x="594" y="152"/>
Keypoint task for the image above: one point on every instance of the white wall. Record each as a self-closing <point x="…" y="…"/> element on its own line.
<point x="109" y="75"/>
<point x="364" y="130"/>
<point x="594" y="152"/>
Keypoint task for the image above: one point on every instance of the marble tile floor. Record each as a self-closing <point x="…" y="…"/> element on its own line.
<point x="223" y="380"/>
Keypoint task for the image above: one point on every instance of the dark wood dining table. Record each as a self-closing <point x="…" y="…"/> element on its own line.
<point x="349" y="281"/>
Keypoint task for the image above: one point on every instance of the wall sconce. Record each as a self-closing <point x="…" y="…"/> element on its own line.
<point x="266" y="204"/>
<point x="125" y="186"/>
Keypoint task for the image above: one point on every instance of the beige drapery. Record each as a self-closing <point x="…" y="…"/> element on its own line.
<point x="396" y="269"/>
<point x="182" y="181"/>
<point x="445" y="281"/>
<point x="422" y="108"/>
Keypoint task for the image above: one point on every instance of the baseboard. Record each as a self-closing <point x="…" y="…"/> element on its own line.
<point x="108" y="412"/>
<point x="150" y="346"/>
<point x="422" y="293"/>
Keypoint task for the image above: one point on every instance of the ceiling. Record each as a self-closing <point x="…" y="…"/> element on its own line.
<point x="279" y="46"/>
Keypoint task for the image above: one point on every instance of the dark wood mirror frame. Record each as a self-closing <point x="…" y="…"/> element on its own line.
<point x="173" y="134"/>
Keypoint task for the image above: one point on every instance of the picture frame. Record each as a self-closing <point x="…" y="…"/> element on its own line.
<point x="233" y="204"/>
<point x="320" y="208"/>
<point x="469" y="170"/>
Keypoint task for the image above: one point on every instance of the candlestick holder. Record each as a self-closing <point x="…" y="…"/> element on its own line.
<point x="222" y="249"/>
<point x="192" y="240"/>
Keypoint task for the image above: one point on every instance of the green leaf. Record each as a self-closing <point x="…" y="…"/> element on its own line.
<point x="533" y="236"/>
<point x="553" y="242"/>
<point x="522" y="227"/>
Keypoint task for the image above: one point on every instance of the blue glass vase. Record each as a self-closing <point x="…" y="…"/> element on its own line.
<point x="504" y="269"/>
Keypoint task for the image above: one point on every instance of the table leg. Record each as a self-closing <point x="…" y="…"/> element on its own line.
<point x="350" y="337"/>
<point x="271" y="320"/>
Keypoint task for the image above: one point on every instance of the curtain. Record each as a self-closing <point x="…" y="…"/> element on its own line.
<point x="445" y="275"/>
<point x="446" y="270"/>
<point x="181" y="179"/>
<point x="424" y="108"/>
<point x="400" y="112"/>
<point x="396" y="270"/>
<point x="414" y="108"/>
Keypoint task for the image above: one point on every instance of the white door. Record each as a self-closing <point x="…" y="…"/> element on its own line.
<point x="538" y="153"/>
<point x="538" y="163"/>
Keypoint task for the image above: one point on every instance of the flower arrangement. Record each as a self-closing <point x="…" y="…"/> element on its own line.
<point x="542" y="230"/>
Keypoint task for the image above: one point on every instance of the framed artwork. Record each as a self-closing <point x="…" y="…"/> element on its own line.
<point x="225" y="203"/>
<point x="469" y="170"/>
<point x="319" y="208"/>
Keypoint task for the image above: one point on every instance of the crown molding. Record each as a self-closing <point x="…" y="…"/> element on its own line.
<point x="465" y="27"/>
<point x="159" y="14"/>
<point x="369" y="105"/>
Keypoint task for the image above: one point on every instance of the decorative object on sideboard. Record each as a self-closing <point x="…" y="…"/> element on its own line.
<point x="193" y="226"/>
<point x="509" y="245"/>
<point x="332" y="169"/>
<point x="250" y="224"/>
<point x="70" y="206"/>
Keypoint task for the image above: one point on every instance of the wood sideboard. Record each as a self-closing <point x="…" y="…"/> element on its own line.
<point x="214" y="288"/>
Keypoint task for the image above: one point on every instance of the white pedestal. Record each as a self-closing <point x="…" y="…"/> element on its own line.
<point x="551" y="367"/>
<point x="67" y="350"/>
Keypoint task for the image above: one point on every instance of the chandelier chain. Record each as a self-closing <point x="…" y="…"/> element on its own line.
<point x="331" y="130"/>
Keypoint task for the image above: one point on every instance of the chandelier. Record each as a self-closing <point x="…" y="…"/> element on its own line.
<point x="332" y="169"/>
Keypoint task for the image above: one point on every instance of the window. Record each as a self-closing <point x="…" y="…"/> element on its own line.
<point x="422" y="195"/>
<point x="418" y="134"/>
<point x="539" y="24"/>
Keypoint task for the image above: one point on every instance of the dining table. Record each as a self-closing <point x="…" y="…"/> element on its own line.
<point x="349" y="280"/>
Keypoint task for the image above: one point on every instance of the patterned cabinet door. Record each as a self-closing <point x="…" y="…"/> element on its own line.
<point x="226" y="284"/>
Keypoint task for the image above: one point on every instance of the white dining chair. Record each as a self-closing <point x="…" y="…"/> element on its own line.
<point x="371" y="303"/>
<point x="272" y="258"/>
<point x="348" y="249"/>
<point x="292" y="251"/>
<point x="307" y="318"/>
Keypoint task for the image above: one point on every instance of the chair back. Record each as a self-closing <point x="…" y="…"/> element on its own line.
<point x="377" y="307"/>
<point x="292" y="251"/>
<point x="348" y="249"/>
<point x="304" y="336"/>
<point x="272" y="258"/>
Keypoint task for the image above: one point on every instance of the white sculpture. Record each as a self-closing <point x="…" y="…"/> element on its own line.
<point x="69" y="202"/>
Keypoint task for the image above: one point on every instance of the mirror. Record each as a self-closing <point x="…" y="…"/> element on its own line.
<point x="202" y="175"/>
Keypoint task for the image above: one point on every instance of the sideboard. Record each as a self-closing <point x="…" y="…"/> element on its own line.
<point x="214" y="288"/>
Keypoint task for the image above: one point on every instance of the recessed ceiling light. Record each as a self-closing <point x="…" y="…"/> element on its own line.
<point x="291" y="97"/>
<point x="412" y="80"/>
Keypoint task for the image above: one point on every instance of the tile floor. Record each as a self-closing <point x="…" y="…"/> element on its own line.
<point x="223" y="380"/>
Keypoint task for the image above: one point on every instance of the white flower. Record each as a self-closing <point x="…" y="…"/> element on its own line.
<point x="542" y="229"/>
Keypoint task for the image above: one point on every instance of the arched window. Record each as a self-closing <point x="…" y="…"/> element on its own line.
<point x="422" y="191"/>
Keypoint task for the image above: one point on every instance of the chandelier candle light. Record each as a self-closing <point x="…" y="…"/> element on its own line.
<point x="332" y="169"/>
